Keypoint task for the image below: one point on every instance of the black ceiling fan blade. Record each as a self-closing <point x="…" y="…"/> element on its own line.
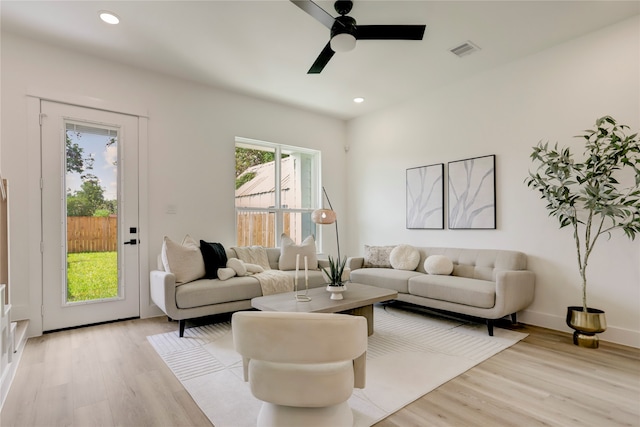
<point x="315" y="11"/>
<point x="322" y="60"/>
<point x="390" y="32"/>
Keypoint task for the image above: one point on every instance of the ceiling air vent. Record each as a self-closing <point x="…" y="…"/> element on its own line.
<point x="466" y="48"/>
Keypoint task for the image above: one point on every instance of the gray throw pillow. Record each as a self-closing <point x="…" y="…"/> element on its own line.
<point x="377" y="256"/>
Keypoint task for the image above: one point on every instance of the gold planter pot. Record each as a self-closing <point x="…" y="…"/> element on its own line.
<point x="586" y="325"/>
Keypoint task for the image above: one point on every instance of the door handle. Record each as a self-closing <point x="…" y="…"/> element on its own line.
<point x="132" y="242"/>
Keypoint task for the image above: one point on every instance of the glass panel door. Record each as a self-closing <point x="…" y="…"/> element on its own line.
<point x="90" y="258"/>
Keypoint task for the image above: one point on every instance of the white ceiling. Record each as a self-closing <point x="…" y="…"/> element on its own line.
<point x="264" y="48"/>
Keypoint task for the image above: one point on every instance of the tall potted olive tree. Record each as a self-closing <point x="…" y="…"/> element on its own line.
<point x="586" y="197"/>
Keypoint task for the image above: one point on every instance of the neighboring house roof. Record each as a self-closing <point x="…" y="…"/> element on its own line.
<point x="259" y="192"/>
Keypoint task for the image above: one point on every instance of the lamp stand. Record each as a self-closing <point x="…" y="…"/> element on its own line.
<point x="336" y="222"/>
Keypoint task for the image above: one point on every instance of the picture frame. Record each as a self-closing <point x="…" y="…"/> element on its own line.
<point x="472" y="193"/>
<point x="425" y="197"/>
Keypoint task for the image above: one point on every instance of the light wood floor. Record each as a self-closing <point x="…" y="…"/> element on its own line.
<point x="109" y="375"/>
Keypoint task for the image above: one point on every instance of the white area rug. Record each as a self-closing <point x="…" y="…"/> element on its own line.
<point x="409" y="355"/>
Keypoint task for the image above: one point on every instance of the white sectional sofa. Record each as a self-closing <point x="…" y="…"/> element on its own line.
<point x="484" y="283"/>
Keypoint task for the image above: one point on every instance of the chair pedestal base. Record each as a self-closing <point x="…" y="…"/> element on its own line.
<point x="289" y="416"/>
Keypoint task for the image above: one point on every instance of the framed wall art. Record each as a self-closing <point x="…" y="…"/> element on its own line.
<point x="472" y="193"/>
<point x="425" y="197"/>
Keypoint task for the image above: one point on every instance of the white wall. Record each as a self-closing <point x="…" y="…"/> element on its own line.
<point x="191" y="130"/>
<point x="553" y="96"/>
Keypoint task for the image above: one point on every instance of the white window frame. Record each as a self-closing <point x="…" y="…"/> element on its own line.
<point x="315" y="191"/>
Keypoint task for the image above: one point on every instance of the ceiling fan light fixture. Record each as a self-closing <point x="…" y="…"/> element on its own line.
<point x="343" y="34"/>
<point x="344" y="42"/>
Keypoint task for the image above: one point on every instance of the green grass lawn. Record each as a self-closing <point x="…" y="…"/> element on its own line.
<point x="92" y="275"/>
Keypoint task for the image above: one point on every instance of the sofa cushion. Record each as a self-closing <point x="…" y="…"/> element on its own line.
<point x="384" y="278"/>
<point x="183" y="260"/>
<point x="377" y="256"/>
<point x="460" y="290"/>
<point x="212" y="291"/>
<point x="438" y="264"/>
<point x="404" y="257"/>
<point x="273" y="255"/>
<point x="205" y="292"/>
<point x="214" y="257"/>
<point x="289" y="250"/>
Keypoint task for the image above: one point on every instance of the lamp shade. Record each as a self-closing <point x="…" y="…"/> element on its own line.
<point x="323" y="216"/>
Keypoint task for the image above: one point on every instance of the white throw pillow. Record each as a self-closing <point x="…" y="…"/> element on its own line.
<point x="183" y="260"/>
<point x="438" y="264"/>
<point x="404" y="257"/>
<point x="289" y="250"/>
<point x="237" y="265"/>
<point x="226" y="273"/>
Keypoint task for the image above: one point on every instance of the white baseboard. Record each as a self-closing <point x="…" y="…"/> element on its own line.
<point x="150" y="311"/>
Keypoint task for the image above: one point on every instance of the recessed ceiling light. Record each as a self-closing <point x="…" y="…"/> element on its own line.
<point x="358" y="100"/>
<point x="109" y="17"/>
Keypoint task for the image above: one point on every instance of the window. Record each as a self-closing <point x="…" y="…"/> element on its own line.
<point x="277" y="188"/>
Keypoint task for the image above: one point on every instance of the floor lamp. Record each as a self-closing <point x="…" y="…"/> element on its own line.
<point x="327" y="216"/>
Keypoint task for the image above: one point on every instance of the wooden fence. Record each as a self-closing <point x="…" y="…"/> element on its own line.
<point x="92" y="234"/>
<point x="258" y="228"/>
<point x="100" y="234"/>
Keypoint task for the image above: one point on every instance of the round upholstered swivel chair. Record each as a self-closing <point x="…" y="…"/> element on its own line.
<point x="303" y="366"/>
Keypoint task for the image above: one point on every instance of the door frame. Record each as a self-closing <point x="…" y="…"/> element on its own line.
<point x="33" y="312"/>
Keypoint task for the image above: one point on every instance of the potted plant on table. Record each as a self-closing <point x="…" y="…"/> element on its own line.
<point x="587" y="197"/>
<point x="335" y="277"/>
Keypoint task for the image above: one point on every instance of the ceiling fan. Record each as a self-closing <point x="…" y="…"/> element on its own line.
<point x="345" y="31"/>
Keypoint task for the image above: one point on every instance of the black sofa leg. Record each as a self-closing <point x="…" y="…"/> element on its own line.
<point x="181" y="324"/>
<point x="514" y="318"/>
<point x="490" y="327"/>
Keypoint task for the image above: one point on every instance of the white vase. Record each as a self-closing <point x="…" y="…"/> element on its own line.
<point x="336" y="291"/>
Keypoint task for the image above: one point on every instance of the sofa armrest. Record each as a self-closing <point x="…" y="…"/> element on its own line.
<point x="163" y="292"/>
<point x="354" y="263"/>
<point x="514" y="290"/>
